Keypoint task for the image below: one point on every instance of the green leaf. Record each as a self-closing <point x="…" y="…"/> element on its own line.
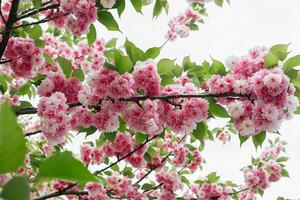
<point x="147" y="186"/>
<point x="48" y="59"/>
<point x="91" y="35"/>
<point x="280" y="50"/>
<point x="111" y="136"/>
<point x="212" y="177"/>
<point x="137" y="4"/>
<point x="219" y="2"/>
<point x="153" y="52"/>
<point x="39" y="43"/>
<point x="218" y="110"/>
<point x="140" y="137"/>
<point x="217" y="67"/>
<point x="79" y="74"/>
<point x="12" y="141"/>
<point x="35" y="32"/>
<point x="108" y="20"/>
<point x="3" y="84"/>
<point x="166" y="80"/>
<point x="285" y="173"/>
<point x="292" y="62"/>
<point x="259" y="139"/>
<point x="243" y="139"/>
<point x="65" y="65"/>
<point x="123" y="64"/>
<point x="121" y="7"/>
<point x="88" y="131"/>
<point x="37" y="3"/>
<point x="134" y="53"/>
<point x="157" y="8"/>
<point x="282" y="159"/>
<point x="200" y="131"/>
<point x="271" y="60"/>
<point x="111" y="43"/>
<point x="165" y="66"/>
<point x="16" y="189"/>
<point x="64" y="166"/>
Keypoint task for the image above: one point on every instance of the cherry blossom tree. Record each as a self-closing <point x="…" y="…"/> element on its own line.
<point x="148" y="115"/>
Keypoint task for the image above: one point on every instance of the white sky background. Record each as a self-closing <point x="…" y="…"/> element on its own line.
<point x="229" y="30"/>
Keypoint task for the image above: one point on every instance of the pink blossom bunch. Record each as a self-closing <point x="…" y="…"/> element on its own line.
<point x="76" y="16"/>
<point x="180" y="153"/>
<point x="180" y="25"/>
<point x="57" y="82"/>
<point x="146" y="77"/>
<point x="194" y="164"/>
<point x="268" y="94"/>
<point x="91" y="155"/>
<point x="207" y="191"/>
<point x="170" y="180"/>
<point x="24" y="56"/>
<point x="122" y="187"/>
<point x="96" y="192"/>
<point x="53" y="113"/>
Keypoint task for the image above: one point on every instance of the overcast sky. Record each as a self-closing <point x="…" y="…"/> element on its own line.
<point x="229" y="30"/>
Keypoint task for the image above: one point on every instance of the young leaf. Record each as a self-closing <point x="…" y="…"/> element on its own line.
<point x="137" y="4"/>
<point x="78" y="73"/>
<point x="121" y="7"/>
<point x="218" y="110"/>
<point x="123" y="64"/>
<point x="259" y="139"/>
<point x="64" y="166"/>
<point x="271" y="60"/>
<point x="243" y="139"/>
<point x="16" y="189"/>
<point x="140" y="137"/>
<point x="108" y="20"/>
<point x="280" y="50"/>
<point x="219" y="2"/>
<point x="153" y="52"/>
<point x="35" y="32"/>
<point x="65" y="65"/>
<point x="292" y="62"/>
<point x="12" y="141"/>
<point x="200" y="131"/>
<point x="165" y="66"/>
<point x="157" y="8"/>
<point x="134" y="53"/>
<point x="91" y="35"/>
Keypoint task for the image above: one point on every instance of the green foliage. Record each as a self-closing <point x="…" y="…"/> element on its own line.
<point x="212" y="177"/>
<point x="217" y="110"/>
<point x="64" y="166"/>
<point x="280" y="50"/>
<point x="78" y="73"/>
<point x="121" y="7"/>
<point x="123" y="64"/>
<point x="65" y="65"/>
<point x="134" y="53"/>
<point x="219" y="2"/>
<point x="153" y="52"/>
<point x="271" y="60"/>
<point x="140" y="138"/>
<point x="292" y="62"/>
<point x="108" y="20"/>
<point x="166" y="66"/>
<point x="243" y="139"/>
<point x="35" y="32"/>
<point x="12" y="141"/>
<point x="200" y="132"/>
<point x="91" y="35"/>
<point x="16" y="189"/>
<point x="259" y="139"/>
<point x="110" y="136"/>
<point x="137" y="4"/>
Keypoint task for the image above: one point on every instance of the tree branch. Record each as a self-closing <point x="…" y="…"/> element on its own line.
<point x="33" y="12"/>
<point x="8" y="27"/>
<point x="143" y="98"/>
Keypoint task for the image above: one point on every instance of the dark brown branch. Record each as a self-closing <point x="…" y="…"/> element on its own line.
<point x="32" y="133"/>
<point x="5" y="61"/>
<point x="143" y="98"/>
<point x="50" y="7"/>
<point x="127" y="155"/>
<point x="60" y="193"/>
<point x="32" y="9"/>
<point x="47" y="19"/>
<point x="8" y="27"/>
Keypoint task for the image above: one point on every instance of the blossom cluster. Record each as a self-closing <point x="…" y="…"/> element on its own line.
<point x="75" y="15"/>
<point x="24" y="56"/>
<point x="261" y="177"/>
<point x="268" y="94"/>
<point x="53" y="113"/>
<point x="181" y="24"/>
